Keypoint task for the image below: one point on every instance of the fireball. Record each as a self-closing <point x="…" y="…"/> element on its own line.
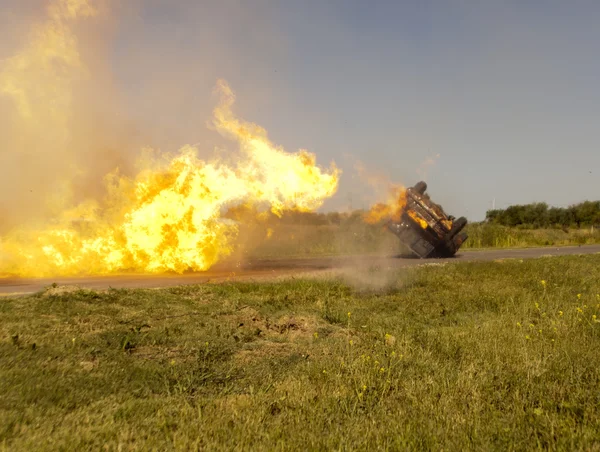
<point x="172" y="214"/>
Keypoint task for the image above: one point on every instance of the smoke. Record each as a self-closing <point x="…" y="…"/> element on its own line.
<point x="59" y="117"/>
<point x="376" y="180"/>
<point x="425" y="166"/>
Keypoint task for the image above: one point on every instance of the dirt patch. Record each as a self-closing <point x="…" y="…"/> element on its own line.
<point x="53" y="290"/>
<point x="268" y="338"/>
<point x="88" y="365"/>
<point x="265" y="349"/>
<point x="289" y="327"/>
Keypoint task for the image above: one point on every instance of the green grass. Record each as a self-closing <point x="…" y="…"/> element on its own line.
<point x="496" y="236"/>
<point x="480" y="356"/>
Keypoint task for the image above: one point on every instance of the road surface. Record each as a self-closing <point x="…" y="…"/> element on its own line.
<point x="261" y="269"/>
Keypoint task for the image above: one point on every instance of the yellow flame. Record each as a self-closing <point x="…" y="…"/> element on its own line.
<point x="171" y="216"/>
<point x="280" y="177"/>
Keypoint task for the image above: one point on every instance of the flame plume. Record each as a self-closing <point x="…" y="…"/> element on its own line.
<point x="175" y="213"/>
<point x="171" y="216"/>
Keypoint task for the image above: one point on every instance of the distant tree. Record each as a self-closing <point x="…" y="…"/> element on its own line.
<point x="492" y="216"/>
<point x="555" y="216"/>
<point x="536" y="215"/>
<point x="513" y="216"/>
<point x="587" y="212"/>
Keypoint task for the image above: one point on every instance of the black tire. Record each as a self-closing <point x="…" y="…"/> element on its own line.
<point x="457" y="226"/>
<point x="420" y="187"/>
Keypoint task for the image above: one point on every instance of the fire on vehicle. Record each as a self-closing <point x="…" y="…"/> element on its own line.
<point x="425" y="228"/>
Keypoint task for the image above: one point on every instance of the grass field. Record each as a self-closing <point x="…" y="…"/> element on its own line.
<point x="496" y="236"/>
<point x="486" y="356"/>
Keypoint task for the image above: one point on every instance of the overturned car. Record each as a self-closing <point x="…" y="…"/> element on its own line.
<point x="425" y="228"/>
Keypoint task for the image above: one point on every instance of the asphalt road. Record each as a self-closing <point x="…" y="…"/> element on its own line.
<point x="261" y="269"/>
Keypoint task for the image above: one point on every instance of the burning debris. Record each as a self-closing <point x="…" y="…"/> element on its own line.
<point x="425" y="228"/>
<point x="420" y="224"/>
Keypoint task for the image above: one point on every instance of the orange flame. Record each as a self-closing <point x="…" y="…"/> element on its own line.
<point x="417" y="219"/>
<point x="391" y="210"/>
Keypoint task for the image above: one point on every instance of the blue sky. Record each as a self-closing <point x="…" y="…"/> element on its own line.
<point x="505" y="92"/>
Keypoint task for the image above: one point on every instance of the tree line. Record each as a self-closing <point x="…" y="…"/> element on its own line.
<point x="540" y="215"/>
